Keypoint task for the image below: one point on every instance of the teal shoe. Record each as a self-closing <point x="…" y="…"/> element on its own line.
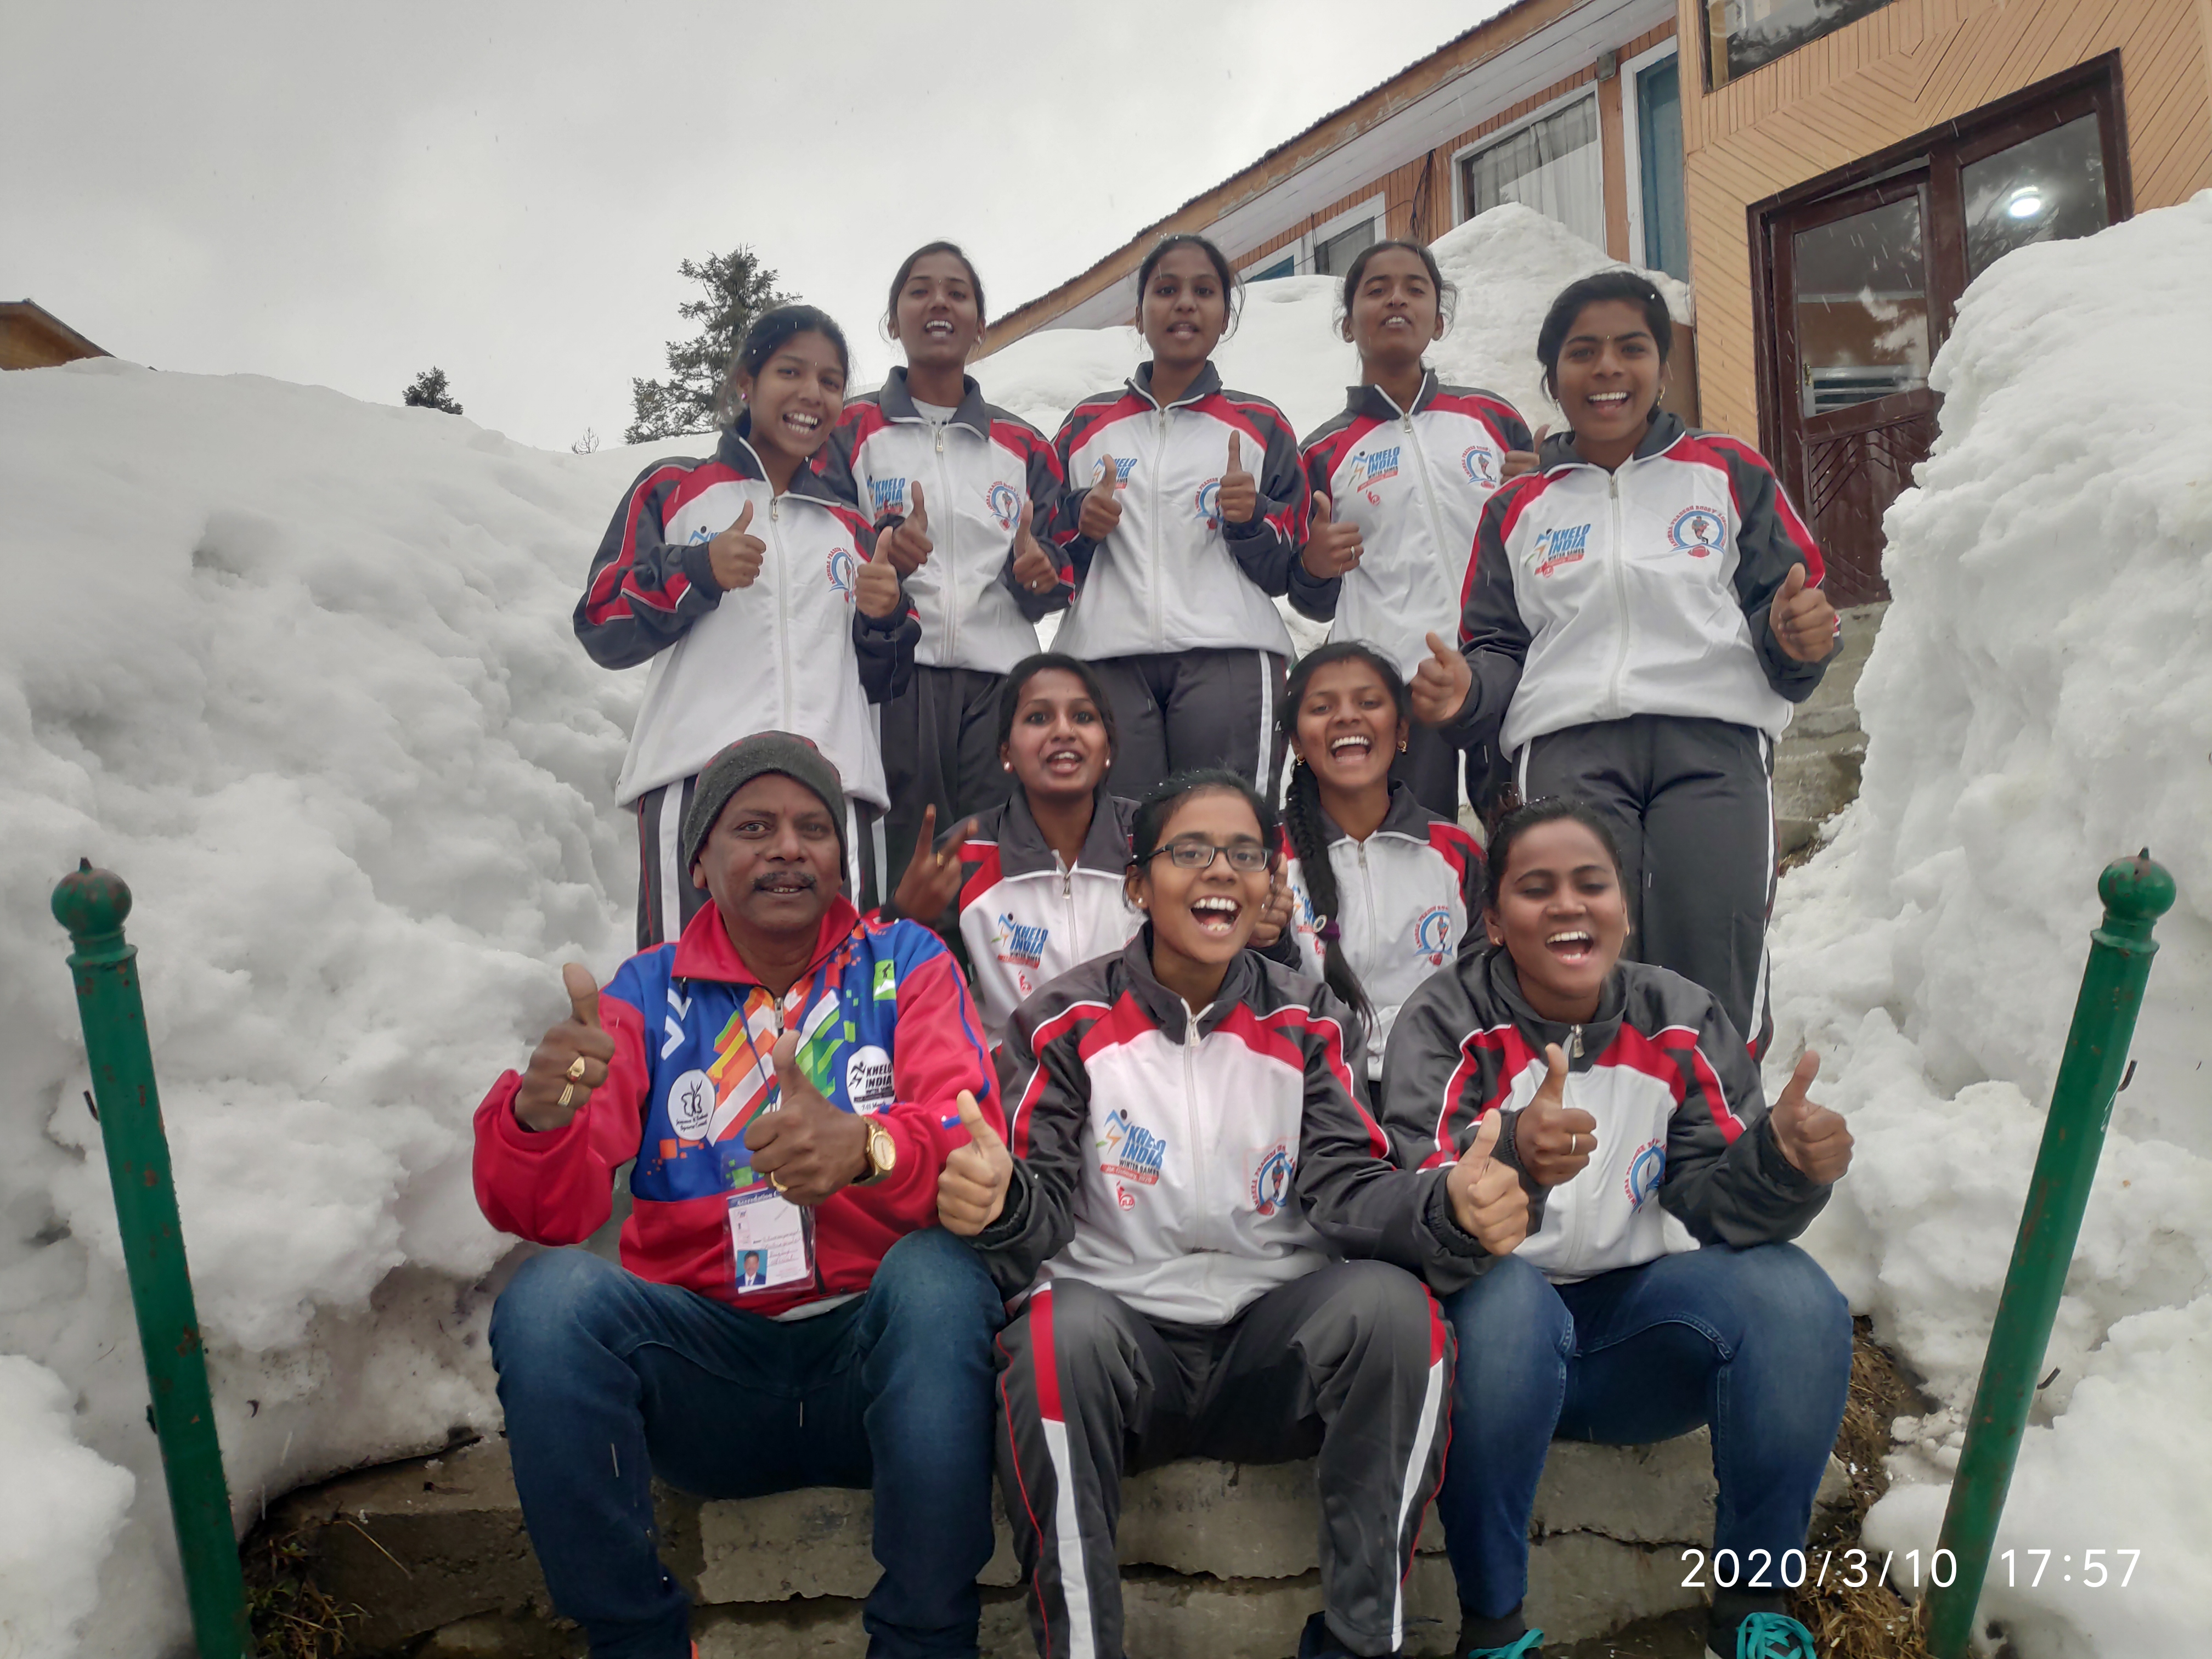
<point x="1528" y="1646"/>
<point x="1768" y="1636"/>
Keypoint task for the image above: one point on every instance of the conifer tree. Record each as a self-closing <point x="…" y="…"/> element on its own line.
<point x="737" y="290"/>
<point x="430" y="392"/>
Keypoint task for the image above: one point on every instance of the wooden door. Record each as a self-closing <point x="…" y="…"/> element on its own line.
<point x="1863" y="272"/>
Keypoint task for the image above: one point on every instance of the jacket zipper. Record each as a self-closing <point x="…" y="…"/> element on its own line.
<point x="783" y="604"/>
<point x="1200" y="1184"/>
<point x="1159" y="529"/>
<point x="1575" y="1226"/>
<point x="1428" y="495"/>
<point x="1374" y="910"/>
<point x="948" y="579"/>
<point x="1075" y="951"/>
<point x="1614" y="557"/>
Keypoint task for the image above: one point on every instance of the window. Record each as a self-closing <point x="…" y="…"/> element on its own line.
<point x="1285" y="266"/>
<point x="1333" y="253"/>
<point x="1551" y="165"/>
<point x="1659" y="155"/>
<point x="1743" y="35"/>
<point x="2044" y="189"/>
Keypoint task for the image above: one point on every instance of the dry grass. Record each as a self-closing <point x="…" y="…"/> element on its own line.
<point x="292" y="1618"/>
<point x="1872" y="1622"/>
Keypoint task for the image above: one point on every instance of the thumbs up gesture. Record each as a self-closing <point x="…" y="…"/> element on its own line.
<point x="1518" y="461"/>
<point x="971" y="1188"/>
<point x="807" y="1148"/>
<point x="570" y="1061"/>
<point x="1440" y="685"/>
<point x="1236" y="497"/>
<point x="735" y="555"/>
<point x="1802" y="620"/>
<point x="905" y="541"/>
<point x="876" y="584"/>
<point x="1101" y="511"/>
<point x="1486" y="1196"/>
<point x="1033" y="567"/>
<point x="1331" y="548"/>
<point x="1816" y="1141"/>
<point x="1554" y="1141"/>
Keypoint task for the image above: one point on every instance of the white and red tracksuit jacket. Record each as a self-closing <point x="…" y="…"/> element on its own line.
<point x="1024" y="917"/>
<point x="1173" y="576"/>
<point x="1596" y="595"/>
<point x="982" y="472"/>
<point x="1189" y="1164"/>
<point x="791" y="653"/>
<point x="1414" y="481"/>
<point x="886" y="1029"/>
<point x="1685" y="1156"/>
<point x="1405" y="898"/>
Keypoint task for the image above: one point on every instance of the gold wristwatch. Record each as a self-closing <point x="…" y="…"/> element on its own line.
<point x="879" y="1152"/>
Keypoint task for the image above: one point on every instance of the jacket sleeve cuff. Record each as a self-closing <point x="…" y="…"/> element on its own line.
<point x="1014" y="1217"/>
<point x="1443" y="1226"/>
<point x="886" y="625"/>
<point x="1776" y="1167"/>
<point x="698" y="566"/>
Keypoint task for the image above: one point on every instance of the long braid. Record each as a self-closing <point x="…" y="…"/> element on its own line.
<point x="1302" y="822"/>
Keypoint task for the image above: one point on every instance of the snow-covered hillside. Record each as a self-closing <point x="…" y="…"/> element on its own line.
<point x="300" y="668"/>
<point x="2039" y="703"/>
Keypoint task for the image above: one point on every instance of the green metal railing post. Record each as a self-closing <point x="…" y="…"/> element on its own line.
<point x="2135" y="892"/>
<point x="92" y="904"/>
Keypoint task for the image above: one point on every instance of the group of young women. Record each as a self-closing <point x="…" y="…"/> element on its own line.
<point x="1301" y="1000"/>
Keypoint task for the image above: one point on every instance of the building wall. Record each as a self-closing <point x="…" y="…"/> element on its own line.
<point x="1399" y="186"/>
<point x="1913" y="66"/>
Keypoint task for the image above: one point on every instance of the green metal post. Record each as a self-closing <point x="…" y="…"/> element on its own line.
<point x="92" y="904"/>
<point x="2135" y="892"/>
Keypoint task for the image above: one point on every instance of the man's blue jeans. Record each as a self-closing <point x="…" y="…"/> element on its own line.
<point x="609" y="1379"/>
<point x="1756" y="1343"/>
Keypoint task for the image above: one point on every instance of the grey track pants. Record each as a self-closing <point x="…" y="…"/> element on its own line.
<point x="1690" y="803"/>
<point x="1174" y="710"/>
<point x="666" y="899"/>
<point x="1352" y="1362"/>
<point x="940" y="743"/>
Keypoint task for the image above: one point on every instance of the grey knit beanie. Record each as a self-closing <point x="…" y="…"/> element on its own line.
<point x="745" y="760"/>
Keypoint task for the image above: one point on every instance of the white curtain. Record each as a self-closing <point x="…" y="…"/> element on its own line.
<point x="1550" y="165"/>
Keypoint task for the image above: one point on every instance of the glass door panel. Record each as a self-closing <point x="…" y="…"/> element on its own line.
<point x="2044" y="189"/>
<point x="1862" y="307"/>
<point x="1659" y="163"/>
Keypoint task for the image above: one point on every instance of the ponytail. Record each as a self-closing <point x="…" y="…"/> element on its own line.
<point x="1302" y="823"/>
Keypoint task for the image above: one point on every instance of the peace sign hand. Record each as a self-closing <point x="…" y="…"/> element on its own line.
<point x="1237" y="497"/>
<point x="931" y="880"/>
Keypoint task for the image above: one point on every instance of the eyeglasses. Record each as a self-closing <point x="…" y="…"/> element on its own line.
<point x="1245" y="857"/>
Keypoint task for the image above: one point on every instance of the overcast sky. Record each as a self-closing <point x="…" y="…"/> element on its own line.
<point x="347" y="195"/>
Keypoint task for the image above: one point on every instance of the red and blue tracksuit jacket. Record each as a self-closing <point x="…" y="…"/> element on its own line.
<point x="887" y="1029"/>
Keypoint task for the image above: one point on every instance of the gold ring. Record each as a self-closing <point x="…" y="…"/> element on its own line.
<point x="778" y="1185"/>
<point x="576" y="1071"/>
<point x="568" y="1094"/>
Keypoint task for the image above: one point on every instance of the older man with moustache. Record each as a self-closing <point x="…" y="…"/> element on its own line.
<point x="790" y="1079"/>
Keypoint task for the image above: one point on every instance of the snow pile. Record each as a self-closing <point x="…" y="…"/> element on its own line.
<point x="300" y="669"/>
<point x="64" y="1504"/>
<point x="1508" y="264"/>
<point x="2039" y="703"/>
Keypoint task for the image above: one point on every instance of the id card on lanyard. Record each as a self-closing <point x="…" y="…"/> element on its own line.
<point x="771" y="1238"/>
<point x="771" y="1241"/>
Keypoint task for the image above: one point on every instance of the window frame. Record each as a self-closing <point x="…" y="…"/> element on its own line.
<point x="1631" y="141"/>
<point x="1301" y="251"/>
<point x="1499" y="136"/>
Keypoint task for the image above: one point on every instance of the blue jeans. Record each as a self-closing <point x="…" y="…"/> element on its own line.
<point x="1756" y="1343"/>
<point x="609" y="1379"/>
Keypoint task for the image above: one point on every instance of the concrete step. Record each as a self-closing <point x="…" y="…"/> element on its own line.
<point x="1219" y="1559"/>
